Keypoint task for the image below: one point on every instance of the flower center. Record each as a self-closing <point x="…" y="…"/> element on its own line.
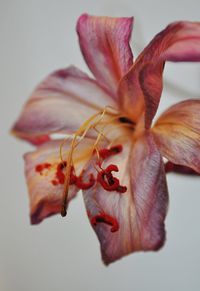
<point x="101" y="124"/>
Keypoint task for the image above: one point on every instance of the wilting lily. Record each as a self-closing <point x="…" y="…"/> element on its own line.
<point x="110" y="150"/>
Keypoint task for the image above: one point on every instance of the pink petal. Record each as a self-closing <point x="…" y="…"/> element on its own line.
<point x="177" y="134"/>
<point x="173" y="168"/>
<point x="104" y="42"/>
<point x="141" y="87"/>
<point x="135" y="218"/>
<point x="61" y="103"/>
<point x="45" y="182"/>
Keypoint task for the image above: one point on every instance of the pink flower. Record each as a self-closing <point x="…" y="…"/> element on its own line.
<point x="114" y="155"/>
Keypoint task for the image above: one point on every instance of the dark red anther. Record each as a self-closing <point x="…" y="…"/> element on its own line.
<point x="111" y="168"/>
<point x="83" y="185"/>
<point x="54" y="182"/>
<point x="106" y="153"/>
<point x="116" y="149"/>
<point x="108" y="182"/>
<point x="60" y="175"/>
<point x="41" y="167"/>
<point x="105" y="218"/>
<point x="73" y="177"/>
<point x="121" y="189"/>
<point x="112" y="183"/>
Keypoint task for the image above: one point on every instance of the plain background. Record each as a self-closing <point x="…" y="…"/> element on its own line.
<point x="37" y="37"/>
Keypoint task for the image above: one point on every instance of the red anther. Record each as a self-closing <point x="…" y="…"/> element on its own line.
<point x="106" y="153"/>
<point x="116" y="149"/>
<point x="60" y="175"/>
<point x="105" y="218"/>
<point x="121" y="189"/>
<point x="82" y="185"/>
<point x="108" y="182"/>
<point x="112" y="183"/>
<point x="54" y="182"/>
<point x="73" y="177"/>
<point x="111" y="168"/>
<point x="40" y="167"/>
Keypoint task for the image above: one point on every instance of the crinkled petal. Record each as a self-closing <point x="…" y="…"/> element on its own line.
<point x="61" y="103"/>
<point x="177" y="134"/>
<point x="45" y="182"/>
<point x="135" y="219"/>
<point x="104" y="42"/>
<point x="141" y="87"/>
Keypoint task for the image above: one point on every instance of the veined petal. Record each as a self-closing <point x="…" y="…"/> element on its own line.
<point x="133" y="220"/>
<point x="104" y="42"/>
<point x="61" y="103"/>
<point x="45" y="178"/>
<point x="177" y="134"/>
<point x="141" y="87"/>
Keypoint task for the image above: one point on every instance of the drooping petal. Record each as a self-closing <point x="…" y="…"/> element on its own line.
<point x="141" y="87"/>
<point x="61" y="103"/>
<point x="178" y="169"/>
<point x="104" y="42"/>
<point x="132" y="220"/>
<point x="45" y="178"/>
<point x="177" y="134"/>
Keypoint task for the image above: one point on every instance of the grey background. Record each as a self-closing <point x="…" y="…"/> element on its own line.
<point x="37" y="37"/>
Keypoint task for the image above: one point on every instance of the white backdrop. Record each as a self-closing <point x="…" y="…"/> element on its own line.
<point x="37" y="37"/>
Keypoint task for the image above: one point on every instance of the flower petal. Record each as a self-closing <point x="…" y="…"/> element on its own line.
<point x="178" y="169"/>
<point x="141" y="87"/>
<point x="134" y="220"/>
<point x="104" y="42"/>
<point x="45" y="179"/>
<point x="177" y="134"/>
<point x="61" y="103"/>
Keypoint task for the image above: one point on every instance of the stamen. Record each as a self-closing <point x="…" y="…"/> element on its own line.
<point x="81" y="132"/>
<point x="60" y="177"/>
<point x="41" y="167"/>
<point x="107" y="219"/>
<point x="111" y="183"/>
<point x="106" y="153"/>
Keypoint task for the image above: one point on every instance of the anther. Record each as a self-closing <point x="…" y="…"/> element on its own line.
<point x="108" y="182"/>
<point x="106" y="153"/>
<point x="41" y="167"/>
<point x="60" y="176"/>
<point x="107" y="219"/>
